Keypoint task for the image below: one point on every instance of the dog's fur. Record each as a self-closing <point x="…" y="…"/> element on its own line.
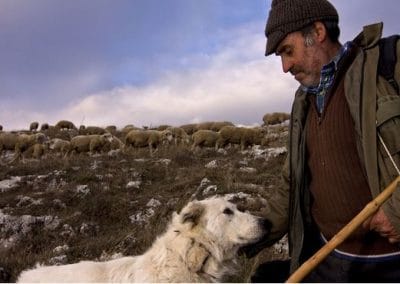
<point x="200" y="245"/>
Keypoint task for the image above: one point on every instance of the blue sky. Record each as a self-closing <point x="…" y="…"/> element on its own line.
<point x="147" y="62"/>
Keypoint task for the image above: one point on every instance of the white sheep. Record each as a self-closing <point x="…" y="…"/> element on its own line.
<point x="213" y="125"/>
<point x="205" y="138"/>
<point x="242" y="136"/>
<point x="58" y="145"/>
<point x="217" y="125"/>
<point x="22" y="142"/>
<point x="116" y="143"/>
<point x="127" y="128"/>
<point x="36" y="151"/>
<point x="8" y="141"/>
<point x="189" y="128"/>
<point x="150" y="138"/>
<point x="275" y="118"/>
<point x="179" y="135"/>
<point x="89" y="143"/>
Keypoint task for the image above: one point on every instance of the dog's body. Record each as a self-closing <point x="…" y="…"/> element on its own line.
<point x="199" y="245"/>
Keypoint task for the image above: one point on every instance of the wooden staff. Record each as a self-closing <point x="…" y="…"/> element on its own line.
<point x="337" y="239"/>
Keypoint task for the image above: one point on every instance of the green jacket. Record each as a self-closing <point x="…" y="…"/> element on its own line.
<point x="374" y="106"/>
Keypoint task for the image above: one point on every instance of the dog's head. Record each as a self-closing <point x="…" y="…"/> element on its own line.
<point x="220" y="220"/>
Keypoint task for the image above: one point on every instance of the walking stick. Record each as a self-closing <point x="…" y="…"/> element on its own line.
<point x="337" y="239"/>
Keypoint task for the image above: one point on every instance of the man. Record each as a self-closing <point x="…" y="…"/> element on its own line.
<point x="336" y="162"/>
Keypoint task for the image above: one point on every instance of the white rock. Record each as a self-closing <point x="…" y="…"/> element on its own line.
<point x="8" y="184"/>
<point x="83" y="189"/>
<point x="164" y="161"/>
<point x="248" y="170"/>
<point x="153" y="203"/>
<point x="142" y="216"/>
<point x="211" y="165"/>
<point x="61" y="249"/>
<point x="134" y="184"/>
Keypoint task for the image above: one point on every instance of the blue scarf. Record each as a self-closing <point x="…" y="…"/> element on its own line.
<point x="327" y="77"/>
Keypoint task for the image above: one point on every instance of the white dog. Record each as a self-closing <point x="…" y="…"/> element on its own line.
<point x="200" y="245"/>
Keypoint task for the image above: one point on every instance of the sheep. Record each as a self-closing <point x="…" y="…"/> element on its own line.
<point x="89" y="130"/>
<point x="189" y="128"/>
<point x="65" y="124"/>
<point x="179" y="135"/>
<point x="111" y="129"/>
<point x="54" y="132"/>
<point x="8" y="141"/>
<point x="206" y="138"/>
<point x="60" y="146"/>
<point x="114" y="144"/>
<point x="216" y="126"/>
<point x="204" y="125"/>
<point x="275" y="118"/>
<point x="44" y="126"/>
<point x="213" y="125"/>
<point x="34" y="126"/>
<point x="24" y="141"/>
<point x="89" y="143"/>
<point x="127" y="128"/>
<point x="162" y="127"/>
<point x="150" y="138"/>
<point x="241" y="135"/>
<point x="36" y="151"/>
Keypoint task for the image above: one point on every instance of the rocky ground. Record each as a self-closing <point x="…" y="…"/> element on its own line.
<point x="58" y="211"/>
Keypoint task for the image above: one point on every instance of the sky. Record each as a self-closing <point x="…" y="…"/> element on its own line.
<point x="148" y="62"/>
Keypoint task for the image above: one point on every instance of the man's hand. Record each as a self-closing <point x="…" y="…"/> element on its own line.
<point x="380" y="223"/>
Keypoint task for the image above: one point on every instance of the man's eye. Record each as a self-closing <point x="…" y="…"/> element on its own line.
<point x="228" y="211"/>
<point x="288" y="52"/>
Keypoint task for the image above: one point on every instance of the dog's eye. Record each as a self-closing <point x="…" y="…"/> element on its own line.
<point x="228" y="211"/>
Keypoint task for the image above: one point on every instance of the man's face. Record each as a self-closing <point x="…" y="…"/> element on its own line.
<point x="301" y="61"/>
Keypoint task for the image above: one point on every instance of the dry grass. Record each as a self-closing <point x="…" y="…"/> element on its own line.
<point x="94" y="206"/>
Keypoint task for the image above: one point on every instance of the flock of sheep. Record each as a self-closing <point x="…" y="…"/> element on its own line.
<point x="66" y="139"/>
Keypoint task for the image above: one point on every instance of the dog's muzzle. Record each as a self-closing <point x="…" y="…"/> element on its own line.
<point x="252" y="249"/>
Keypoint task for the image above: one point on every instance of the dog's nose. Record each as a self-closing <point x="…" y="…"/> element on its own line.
<point x="265" y="224"/>
<point x="252" y="249"/>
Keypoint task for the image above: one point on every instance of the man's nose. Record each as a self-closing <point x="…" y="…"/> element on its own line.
<point x="286" y="65"/>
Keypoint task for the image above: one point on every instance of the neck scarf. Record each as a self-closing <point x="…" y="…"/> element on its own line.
<point x="327" y="77"/>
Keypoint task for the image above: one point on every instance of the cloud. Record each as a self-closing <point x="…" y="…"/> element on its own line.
<point x="355" y="14"/>
<point x="236" y="83"/>
<point x="149" y="62"/>
<point x="55" y="52"/>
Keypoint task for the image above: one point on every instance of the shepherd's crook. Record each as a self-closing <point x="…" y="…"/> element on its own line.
<point x="337" y="239"/>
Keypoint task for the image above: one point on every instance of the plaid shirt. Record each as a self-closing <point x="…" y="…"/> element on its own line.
<point x="327" y="76"/>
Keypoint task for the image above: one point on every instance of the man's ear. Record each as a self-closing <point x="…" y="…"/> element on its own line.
<point x="191" y="213"/>
<point x="320" y="31"/>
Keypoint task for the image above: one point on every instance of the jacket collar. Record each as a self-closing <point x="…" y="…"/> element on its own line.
<point x="370" y="35"/>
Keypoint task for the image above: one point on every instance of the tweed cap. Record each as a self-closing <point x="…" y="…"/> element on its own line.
<point x="287" y="16"/>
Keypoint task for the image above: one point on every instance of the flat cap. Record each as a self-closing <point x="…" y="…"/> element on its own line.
<point x="287" y="16"/>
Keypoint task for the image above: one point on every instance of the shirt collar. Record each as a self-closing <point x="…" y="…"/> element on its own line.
<point x="328" y="71"/>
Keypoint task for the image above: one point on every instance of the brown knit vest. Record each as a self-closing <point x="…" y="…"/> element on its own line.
<point x="338" y="184"/>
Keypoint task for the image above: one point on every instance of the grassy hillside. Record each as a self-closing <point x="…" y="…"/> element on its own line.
<point x="58" y="211"/>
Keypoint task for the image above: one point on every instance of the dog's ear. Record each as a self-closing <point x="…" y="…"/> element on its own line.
<point x="192" y="213"/>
